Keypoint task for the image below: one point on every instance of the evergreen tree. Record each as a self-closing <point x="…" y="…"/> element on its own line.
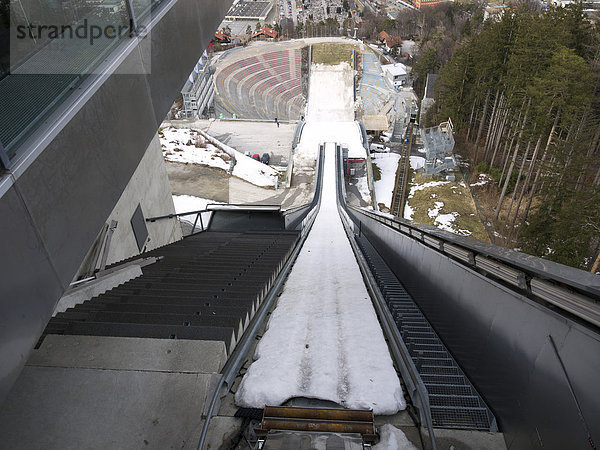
<point x="524" y="91"/>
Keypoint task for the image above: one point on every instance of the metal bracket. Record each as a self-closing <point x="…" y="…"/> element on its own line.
<point x="111" y="230"/>
<point x="133" y="26"/>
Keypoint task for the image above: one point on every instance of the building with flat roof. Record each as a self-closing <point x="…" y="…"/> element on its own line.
<point x="396" y="74"/>
<point x="249" y="11"/>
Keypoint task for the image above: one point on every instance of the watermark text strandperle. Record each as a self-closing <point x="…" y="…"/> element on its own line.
<point x="81" y="31"/>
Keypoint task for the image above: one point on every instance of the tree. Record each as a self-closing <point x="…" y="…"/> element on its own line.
<point x="426" y="63"/>
<point x="524" y="90"/>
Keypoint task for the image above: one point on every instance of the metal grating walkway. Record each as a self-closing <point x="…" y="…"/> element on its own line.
<point x="454" y="401"/>
<point x="206" y="287"/>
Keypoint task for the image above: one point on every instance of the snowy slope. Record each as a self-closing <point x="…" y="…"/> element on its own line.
<point x="330" y="114"/>
<point x="391" y="438"/>
<point x="185" y="145"/>
<point x="384" y="187"/>
<point x="323" y="339"/>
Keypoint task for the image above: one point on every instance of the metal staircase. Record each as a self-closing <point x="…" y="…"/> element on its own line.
<point x="204" y="287"/>
<point x="453" y="400"/>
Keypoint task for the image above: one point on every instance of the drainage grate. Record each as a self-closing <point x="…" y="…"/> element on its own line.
<point x="465" y="418"/>
<point x="454" y="401"/>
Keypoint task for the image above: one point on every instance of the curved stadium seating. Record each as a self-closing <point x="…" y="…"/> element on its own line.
<point x="261" y="87"/>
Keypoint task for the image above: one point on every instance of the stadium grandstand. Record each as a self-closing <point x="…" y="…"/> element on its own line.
<point x="260" y="85"/>
<point x="375" y="90"/>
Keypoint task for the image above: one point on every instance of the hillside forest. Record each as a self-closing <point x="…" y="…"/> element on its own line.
<point x="522" y="89"/>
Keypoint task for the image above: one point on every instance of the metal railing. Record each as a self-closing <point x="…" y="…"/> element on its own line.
<point x="573" y="291"/>
<point x="196" y="219"/>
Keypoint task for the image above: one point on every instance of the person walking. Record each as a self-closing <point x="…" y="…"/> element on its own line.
<point x="277" y="122"/>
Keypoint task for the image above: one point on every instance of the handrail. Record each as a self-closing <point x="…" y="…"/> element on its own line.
<point x="574" y="291"/>
<point x="191" y="213"/>
<point x="240" y="352"/>
<point x="211" y="208"/>
<point x="412" y="379"/>
<point x="289" y="211"/>
<point x="170" y="216"/>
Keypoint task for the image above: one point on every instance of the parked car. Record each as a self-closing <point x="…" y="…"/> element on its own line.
<point x="379" y="148"/>
<point x="248" y="154"/>
<point x="256" y="156"/>
<point x="265" y="158"/>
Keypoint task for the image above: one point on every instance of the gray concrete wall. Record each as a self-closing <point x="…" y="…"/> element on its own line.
<point x="500" y="339"/>
<point x="149" y="187"/>
<point x="75" y="167"/>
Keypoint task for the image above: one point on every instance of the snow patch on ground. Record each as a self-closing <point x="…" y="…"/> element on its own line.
<point x="391" y="438"/>
<point x="442" y="221"/>
<point x="435" y="211"/>
<point x="483" y="179"/>
<point x="363" y="187"/>
<point x="185" y="145"/>
<point x="420" y="187"/>
<point x="384" y="188"/>
<point x="188" y="146"/>
<point x="408" y="212"/>
<point x="189" y="203"/>
<point x="417" y="162"/>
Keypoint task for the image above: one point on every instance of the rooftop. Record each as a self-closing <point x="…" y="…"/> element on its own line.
<point x="258" y="10"/>
<point x="395" y="69"/>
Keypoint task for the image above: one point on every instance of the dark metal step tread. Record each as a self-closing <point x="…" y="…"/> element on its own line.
<point x="162" y="308"/>
<point x="151" y="318"/>
<point x="153" y="331"/>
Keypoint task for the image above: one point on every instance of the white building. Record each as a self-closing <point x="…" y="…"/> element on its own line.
<point x="396" y="74"/>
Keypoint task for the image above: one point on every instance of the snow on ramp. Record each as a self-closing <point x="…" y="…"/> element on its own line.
<point x="330" y="94"/>
<point x="324" y="340"/>
<point x="330" y="113"/>
<point x="392" y="438"/>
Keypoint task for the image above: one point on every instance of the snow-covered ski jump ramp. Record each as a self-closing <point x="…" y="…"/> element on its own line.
<point x="330" y="339"/>
<point x="323" y="340"/>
